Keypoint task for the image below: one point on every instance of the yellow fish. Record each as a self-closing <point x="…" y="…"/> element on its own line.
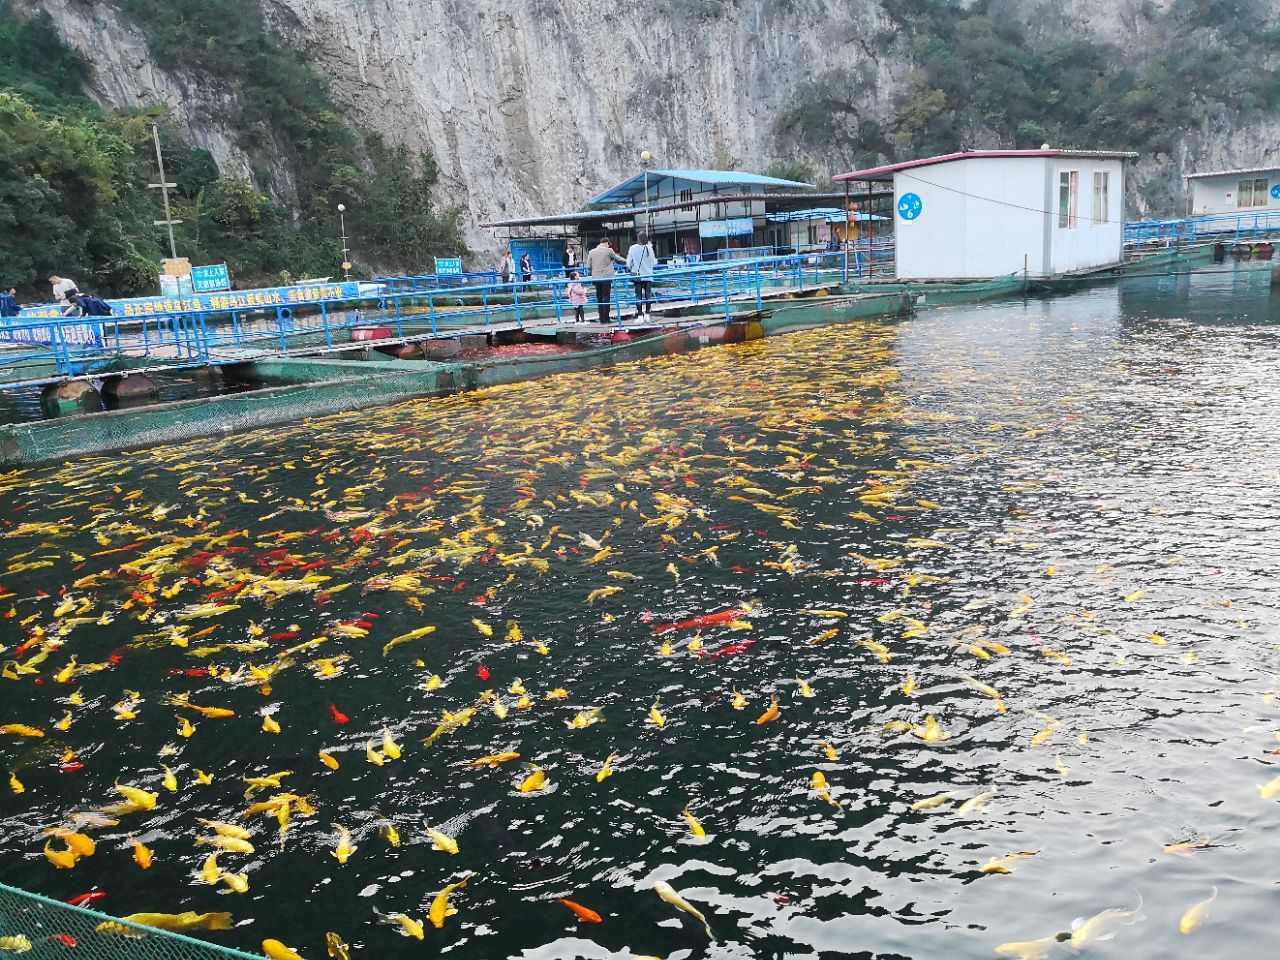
<point x="805" y="689"/>
<point x="269" y="724"/>
<point x="15" y="784"/>
<point x="440" y="908"/>
<point x="178" y="922"/>
<point x="739" y="702"/>
<point x="930" y="732"/>
<point x="441" y="841"/>
<point x="18" y="943"/>
<point x="830" y="751"/>
<point x="909" y="687"/>
<point x="336" y="948"/>
<point x="373" y="756"/>
<point x="21" y="730"/>
<point x="229" y="844"/>
<point x="535" y="781"/>
<point x="975" y="803"/>
<point x="343" y="851"/>
<point x="606" y="768"/>
<point x="1004" y="864"/>
<point x="694" y="826"/>
<point x="185" y="727"/>
<point x="275" y="950"/>
<point x="170" y="782"/>
<point x="408" y="926"/>
<point x="820" y="786"/>
<point x="142" y="855"/>
<point x="601" y="593"/>
<point x="656" y="717"/>
<point x="1028" y="949"/>
<point x="389" y="833"/>
<point x="203" y="779"/>
<point x="389" y="746"/>
<point x="406" y="637"/>
<point x="1270" y="790"/>
<point x="62" y="859"/>
<point x="328" y="760"/>
<point x="492" y="760"/>
<point x="1196" y="914"/>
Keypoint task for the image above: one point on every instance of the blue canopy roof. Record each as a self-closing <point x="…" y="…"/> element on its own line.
<point x="628" y="190"/>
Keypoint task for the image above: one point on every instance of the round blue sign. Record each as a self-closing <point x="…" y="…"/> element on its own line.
<point x="910" y="206"/>
<point x="1275" y="192"/>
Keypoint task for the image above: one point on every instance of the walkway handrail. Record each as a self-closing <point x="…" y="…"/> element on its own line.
<point x="76" y="347"/>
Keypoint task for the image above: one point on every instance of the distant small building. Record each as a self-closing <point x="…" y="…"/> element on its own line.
<point x="990" y="213"/>
<point x="1255" y="190"/>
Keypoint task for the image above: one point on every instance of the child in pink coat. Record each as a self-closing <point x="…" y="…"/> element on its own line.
<point x="578" y="297"/>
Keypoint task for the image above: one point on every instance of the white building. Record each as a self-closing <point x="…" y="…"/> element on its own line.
<point x="990" y="213"/>
<point x="1235" y="191"/>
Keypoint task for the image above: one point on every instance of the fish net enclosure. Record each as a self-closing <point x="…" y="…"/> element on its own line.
<point x="35" y="928"/>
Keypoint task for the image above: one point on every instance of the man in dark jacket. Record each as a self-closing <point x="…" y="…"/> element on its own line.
<point x="9" y="303"/>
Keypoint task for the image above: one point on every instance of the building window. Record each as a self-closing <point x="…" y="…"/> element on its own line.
<point x="1254" y="193"/>
<point x="1068" y="199"/>
<point x="686" y="196"/>
<point x="1101" y="196"/>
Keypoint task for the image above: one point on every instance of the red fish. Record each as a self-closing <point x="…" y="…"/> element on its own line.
<point x="84" y="899"/>
<point x="284" y="635"/>
<point x="706" y="620"/>
<point x="482" y="672"/>
<point x="66" y="939"/>
<point x="338" y="716"/>
<point x="732" y="650"/>
<point x="72" y="767"/>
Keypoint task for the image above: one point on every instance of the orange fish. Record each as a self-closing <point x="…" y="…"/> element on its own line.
<point x="584" y="914"/>
<point x="772" y="712"/>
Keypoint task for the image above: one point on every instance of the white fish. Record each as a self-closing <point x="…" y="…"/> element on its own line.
<point x="1102" y="926"/>
<point x="668" y="893"/>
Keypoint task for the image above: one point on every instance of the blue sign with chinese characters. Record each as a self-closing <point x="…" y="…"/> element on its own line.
<point x="910" y="206"/>
<point x="448" y="266"/>
<point x="265" y="298"/>
<point x="737" y="227"/>
<point x="210" y="279"/>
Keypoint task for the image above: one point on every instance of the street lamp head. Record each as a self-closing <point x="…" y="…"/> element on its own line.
<point x="342" y="208"/>
<point x="645" y="156"/>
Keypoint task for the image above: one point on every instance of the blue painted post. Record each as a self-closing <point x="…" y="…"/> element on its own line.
<point x="559" y="304"/>
<point x="204" y="338"/>
<point x="759" y="296"/>
<point x="397" y="303"/>
<point x="484" y="299"/>
<point x="324" y="322"/>
<point x="431" y="307"/>
<point x="515" y="299"/>
<point x="284" y="340"/>
<point x="724" y="278"/>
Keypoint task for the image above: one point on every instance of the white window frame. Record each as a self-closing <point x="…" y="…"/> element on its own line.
<point x="1101" y="197"/>
<point x="1069" y="181"/>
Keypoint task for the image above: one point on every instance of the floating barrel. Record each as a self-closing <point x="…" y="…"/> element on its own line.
<point x="621" y="336"/>
<point x="404" y="351"/>
<point x="441" y="349"/>
<point x="361" y="334"/>
<point x="131" y="390"/>
<point x="674" y="341"/>
<point x="64" y="399"/>
<point x="1264" y="251"/>
<point x="1219" y="252"/>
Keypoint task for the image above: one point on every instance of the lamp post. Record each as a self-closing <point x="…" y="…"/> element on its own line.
<point x="646" y="158"/>
<point x="346" y="253"/>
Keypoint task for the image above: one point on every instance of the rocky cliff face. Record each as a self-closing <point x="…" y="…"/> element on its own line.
<point x="532" y="107"/>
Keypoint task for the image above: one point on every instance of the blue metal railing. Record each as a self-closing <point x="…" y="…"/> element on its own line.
<point x="1242" y="226"/>
<point x="43" y="350"/>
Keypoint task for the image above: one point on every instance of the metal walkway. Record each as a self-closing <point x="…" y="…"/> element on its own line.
<point x="40" y="351"/>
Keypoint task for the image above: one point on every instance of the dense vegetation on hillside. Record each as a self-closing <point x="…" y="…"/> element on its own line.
<point x="73" y="195"/>
<point x="980" y="78"/>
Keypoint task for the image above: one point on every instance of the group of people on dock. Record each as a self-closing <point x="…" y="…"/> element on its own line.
<point x="601" y="267"/>
<point x="66" y="295"/>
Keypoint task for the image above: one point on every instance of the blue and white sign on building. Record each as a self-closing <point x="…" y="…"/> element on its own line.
<point x="210" y="279"/>
<point x="1275" y="192"/>
<point x="737" y="227"/>
<point x="910" y="206"/>
<point x="448" y="266"/>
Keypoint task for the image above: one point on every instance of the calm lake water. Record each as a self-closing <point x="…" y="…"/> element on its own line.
<point x="1071" y="502"/>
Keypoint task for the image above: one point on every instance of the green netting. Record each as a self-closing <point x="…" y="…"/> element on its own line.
<point x="354" y="384"/>
<point x="35" y="927"/>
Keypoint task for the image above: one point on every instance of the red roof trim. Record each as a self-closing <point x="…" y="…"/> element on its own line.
<point x="882" y="173"/>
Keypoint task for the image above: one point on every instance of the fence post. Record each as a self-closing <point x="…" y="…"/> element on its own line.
<point x="759" y="296"/>
<point x="724" y="282"/>
<point x="431" y="307"/>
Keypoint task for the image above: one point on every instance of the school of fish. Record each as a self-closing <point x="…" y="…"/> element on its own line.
<point x="409" y="672"/>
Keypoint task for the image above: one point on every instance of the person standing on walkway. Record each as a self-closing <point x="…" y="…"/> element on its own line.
<point x="578" y="297"/>
<point x="570" y="260"/>
<point x="64" y="291"/>
<point x="9" y="303"/>
<point x="507" y="268"/>
<point x="526" y="268"/>
<point x="641" y="261"/>
<point x="600" y="264"/>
